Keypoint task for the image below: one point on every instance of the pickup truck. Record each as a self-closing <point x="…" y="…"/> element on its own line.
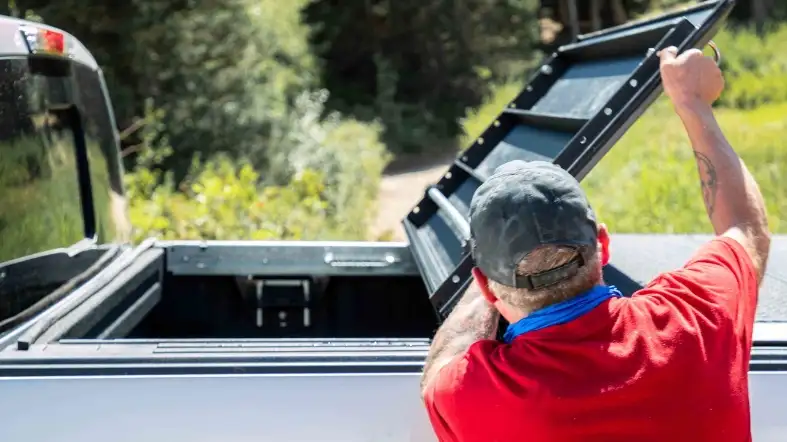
<point x="283" y="341"/>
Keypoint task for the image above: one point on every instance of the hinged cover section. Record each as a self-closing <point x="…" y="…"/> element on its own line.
<point x="573" y="110"/>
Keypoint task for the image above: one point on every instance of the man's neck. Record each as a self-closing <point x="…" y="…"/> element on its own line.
<point x="534" y="303"/>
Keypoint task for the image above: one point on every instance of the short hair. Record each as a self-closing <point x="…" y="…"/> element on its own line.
<point x="547" y="258"/>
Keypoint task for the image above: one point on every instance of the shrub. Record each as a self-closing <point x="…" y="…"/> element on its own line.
<point x="321" y="182"/>
<point x="755" y="67"/>
<point x="223" y="200"/>
<point x="347" y="153"/>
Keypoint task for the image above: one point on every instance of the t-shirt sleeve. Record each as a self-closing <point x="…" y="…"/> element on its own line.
<point x="719" y="281"/>
<point x="450" y="397"/>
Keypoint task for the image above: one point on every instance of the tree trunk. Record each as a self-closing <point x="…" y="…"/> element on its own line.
<point x="573" y="18"/>
<point x="619" y="14"/>
<point x="759" y="14"/>
<point x="595" y="15"/>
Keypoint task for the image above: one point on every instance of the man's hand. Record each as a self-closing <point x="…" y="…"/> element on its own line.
<point x="690" y="77"/>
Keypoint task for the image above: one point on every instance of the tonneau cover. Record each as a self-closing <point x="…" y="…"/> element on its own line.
<point x="573" y="110"/>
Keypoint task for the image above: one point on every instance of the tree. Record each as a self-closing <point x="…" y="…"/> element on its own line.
<point x="418" y="64"/>
<point x="220" y="79"/>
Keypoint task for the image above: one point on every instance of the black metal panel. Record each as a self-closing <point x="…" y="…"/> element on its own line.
<point x="572" y="111"/>
<point x="103" y="311"/>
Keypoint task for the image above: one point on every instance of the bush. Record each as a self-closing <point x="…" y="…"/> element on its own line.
<point x="755" y="67"/>
<point x="321" y="183"/>
<point x="223" y="200"/>
<point x="347" y="154"/>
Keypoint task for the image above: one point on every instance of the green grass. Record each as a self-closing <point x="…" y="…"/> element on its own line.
<point x="648" y="182"/>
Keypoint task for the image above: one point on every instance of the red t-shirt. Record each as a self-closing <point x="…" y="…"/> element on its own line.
<point x="669" y="364"/>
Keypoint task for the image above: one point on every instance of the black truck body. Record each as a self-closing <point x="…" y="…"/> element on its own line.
<point x="277" y="340"/>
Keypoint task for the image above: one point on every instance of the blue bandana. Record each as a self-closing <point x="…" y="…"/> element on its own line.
<point x="562" y="312"/>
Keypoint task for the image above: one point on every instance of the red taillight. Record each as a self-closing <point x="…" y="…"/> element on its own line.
<point x="44" y="41"/>
<point x="52" y="42"/>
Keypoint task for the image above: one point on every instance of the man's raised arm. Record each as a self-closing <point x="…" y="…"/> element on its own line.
<point x="732" y="198"/>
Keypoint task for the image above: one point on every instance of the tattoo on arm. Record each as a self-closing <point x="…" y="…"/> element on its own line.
<point x="472" y="320"/>
<point x="708" y="180"/>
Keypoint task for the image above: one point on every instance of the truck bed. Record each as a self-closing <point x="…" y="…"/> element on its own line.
<point x="204" y="389"/>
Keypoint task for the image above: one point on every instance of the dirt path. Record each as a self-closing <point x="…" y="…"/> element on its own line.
<point x="402" y="186"/>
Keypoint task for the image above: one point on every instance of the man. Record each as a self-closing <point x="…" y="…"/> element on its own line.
<point x="579" y="362"/>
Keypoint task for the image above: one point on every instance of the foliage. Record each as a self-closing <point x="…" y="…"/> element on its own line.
<point x="656" y="7"/>
<point x="755" y="67"/>
<point x="345" y="158"/>
<point x="222" y="200"/>
<point x="220" y="94"/>
<point x="418" y="64"/>
<point x="324" y="175"/>
<point x="351" y="162"/>
<point x="253" y="148"/>
<point x="348" y="155"/>
<point x="744" y="10"/>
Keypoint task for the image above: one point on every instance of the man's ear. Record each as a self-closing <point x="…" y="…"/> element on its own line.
<point x="603" y="243"/>
<point x="483" y="284"/>
<point x="506" y="310"/>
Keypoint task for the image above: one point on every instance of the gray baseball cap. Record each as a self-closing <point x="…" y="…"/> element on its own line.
<point x="522" y="206"/>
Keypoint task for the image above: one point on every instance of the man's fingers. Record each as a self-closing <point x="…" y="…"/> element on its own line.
<point x="693" y="52"/>
<point x="668" y="53"/>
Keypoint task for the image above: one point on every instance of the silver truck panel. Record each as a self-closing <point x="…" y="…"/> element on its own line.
<point x="256" y="408"/>
<point x="767" y="393"/>
<point x="237" y="408"/>
<point x="324" y="258"/>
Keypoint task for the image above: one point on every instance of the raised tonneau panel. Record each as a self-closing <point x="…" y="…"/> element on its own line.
<point x="572" y="111"/>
